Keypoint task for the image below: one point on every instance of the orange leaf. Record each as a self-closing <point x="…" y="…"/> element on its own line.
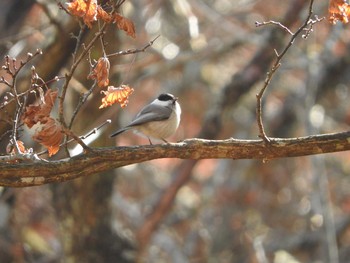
<point x="35" y="113"/>
<point x="338" y="10"/>
<point x="104" y="15"/>
<point x="116" y="95"/>
<point x="12" y="150"/>
<point x="21" y="146"/>
<point x="50" y="135"/>
<point x="101" y="72"/>
<point x="32" y="115"/>
<point x="85" y="9"/>
<point x="77" y="7"/>
<point x="125" y="24"/>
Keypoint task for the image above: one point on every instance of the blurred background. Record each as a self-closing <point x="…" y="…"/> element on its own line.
<point x="212" y="56"/>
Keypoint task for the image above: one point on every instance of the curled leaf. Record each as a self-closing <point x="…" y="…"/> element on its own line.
<point x="50" y="135"/>
<point x="32" y="115"/>
<point x="125" y="24"/>
<point x="116" y="95"/>
<point x="101" y="72"/>
<point x="338" y="10"/>
<point x="36" y="113"/>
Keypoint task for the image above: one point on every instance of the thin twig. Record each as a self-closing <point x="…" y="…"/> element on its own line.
<point x="13" y="70"/>
<point x="82" y="100"/>
<point x="24" y="93"/>
<point x="71" y="72"/>
<point x="276" y="65"/>
<point x="271" y="22"/>
<point x="79" y="38"/>
<point x="69" y="133"/>
<point x="135" y="50"/>
<point x="102" y="42"/>
<point x="108" y="121"/>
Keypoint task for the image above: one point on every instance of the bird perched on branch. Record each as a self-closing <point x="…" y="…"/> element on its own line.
<point x="159" y="119"/>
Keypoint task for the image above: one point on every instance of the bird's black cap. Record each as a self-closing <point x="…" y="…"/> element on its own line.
<point x="166" y="97"/>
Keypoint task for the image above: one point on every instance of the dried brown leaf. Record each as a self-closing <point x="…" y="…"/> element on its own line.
<point x="101" y="72"/>
<point x="50" y="135"/>
<point x="36" y="113"/>
<point x="104" y="15"/>
<point x="338" y="10"/>
<point x="125" y="24"/>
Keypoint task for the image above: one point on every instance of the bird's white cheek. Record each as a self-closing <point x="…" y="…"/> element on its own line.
<point x="178" y="110"/>
<point x="178" y="113"/>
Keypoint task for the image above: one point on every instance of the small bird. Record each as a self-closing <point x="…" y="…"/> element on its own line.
<point x="157" y="120"/>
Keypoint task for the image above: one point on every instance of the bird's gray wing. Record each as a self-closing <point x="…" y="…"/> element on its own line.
<point x="151" y="112"/>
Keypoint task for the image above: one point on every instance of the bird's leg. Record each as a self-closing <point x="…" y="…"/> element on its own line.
<point x="150" y="142"/>
<point x="165" y="141"/>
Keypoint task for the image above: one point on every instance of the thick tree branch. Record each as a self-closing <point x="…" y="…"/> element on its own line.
<point x="103" y="159"/>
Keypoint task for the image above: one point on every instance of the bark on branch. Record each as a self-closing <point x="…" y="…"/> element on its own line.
<point x="103" y="159"/>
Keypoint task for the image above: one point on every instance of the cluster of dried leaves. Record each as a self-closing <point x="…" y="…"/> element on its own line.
<point x="49" y="134"/>
<point x="90" y="11"/>
<point x="113" y="94"/>
<point x="339" y="10"/>
<point x="48" y="131"/>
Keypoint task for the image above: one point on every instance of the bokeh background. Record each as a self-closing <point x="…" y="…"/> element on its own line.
<point x="212" y="56"/>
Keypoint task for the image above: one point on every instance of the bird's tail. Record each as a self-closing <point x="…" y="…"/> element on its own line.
<point x="119" y="132"/>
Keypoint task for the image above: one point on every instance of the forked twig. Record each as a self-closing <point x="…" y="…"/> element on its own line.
<point x="13" y="68"/>
<point x="307" y="27"/>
